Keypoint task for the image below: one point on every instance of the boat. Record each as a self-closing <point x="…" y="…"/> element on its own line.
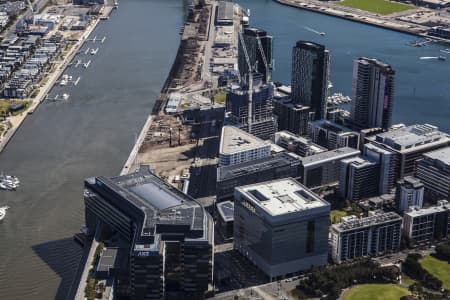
<point x="94" y="51"/>
<point x="322" y="33"/>
<point x="116" y="4"/>
<point x="63" y="82"/>
<point x="442" y="58"/>
<point x="8" y="182"/>
<point x="3" y="210"/>
<point x="65" y="96"/>
<point x="446" y="51"/>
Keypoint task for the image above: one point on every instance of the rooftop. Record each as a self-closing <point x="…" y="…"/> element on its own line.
<point x="282" y="196"/>
<point x="442" y="155"/>
<point x="360" y="162"/>
<point x="335" y="154"/>
<point x="330" y="126"/>
<point x="413" y="136"/>
<point x="226" y="210"/>
<point x="411" y="181"/>
<point x="354" y="222"/>
<point x="415" y="211"/>
<point x="234" y="140"/>
<point x="225" y="11"/>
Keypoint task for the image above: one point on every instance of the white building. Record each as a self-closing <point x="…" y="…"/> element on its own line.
<point x="375" y="235"/>
<point x="281" y="226"/>
<point x="238" y="146"/>
<point x="424" y="225"/>
<point x="409" y="193"/>
<point x="434" y="171"/>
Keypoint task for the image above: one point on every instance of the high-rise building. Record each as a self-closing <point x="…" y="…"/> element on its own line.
<point x="170" y="235"/>
<point x="373" y="93"/>
<point x="332" y="135"/>
<point x="359" y="178"/>
<point x="409" y="193"/>
<point x="251" y="109"/>
<point x="310" y="73"/>
<point x="281" y="226"/>
<point x="238" y="146"/>
<point x="323" y="168"/>
<point x="408" y="144"/>
<point x="434" y="172"/>
<point x="256" y="46"/>
<point x="387" y="162"/>
<point x="375" y="235"/>
<point x="424" y="225"/>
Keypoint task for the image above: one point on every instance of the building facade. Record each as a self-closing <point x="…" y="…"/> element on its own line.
<point x="358" y="178"/>
<point x="238" y="146"/>
<point x="170" y="235"/>
<point x="297" y="144"/>
<point x="332" y="135"/>
<point x="374" y="235"/>
<point x="281" y="226"/>
<point x="256" y="45"/>
<point x="373" y="94"/>
<point x="410" y="192"/>
<point x="425" y="225"/>
<point x="323" y="168"/>
<point x="310" y="74"/>
<point x="434" y="172"/>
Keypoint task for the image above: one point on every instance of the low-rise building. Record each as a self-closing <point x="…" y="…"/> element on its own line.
<point x="425" y="225"/>
<point x="238" y="146"/>
<point x="297" y="144"/>
<point x="323" y="168"/>
<point x="375" y="235"/>
<point x="281" y="226"/>
<point x="434" y="172"/>
<point x="332" y="135"/>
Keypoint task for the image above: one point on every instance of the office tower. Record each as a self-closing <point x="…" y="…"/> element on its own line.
<point x="434" y="172"/>
<point x="375" y="235"/>
<point x="387" y="162"/>
<point x="310" y="73"/>
<point x="373" y="93"/>
<point x="424" y="225"/>
<point x="323" y="168"/>
<point x="255" y="48"/>
<point x="281" y="226"/>
<point x="408" y="144"/>
<point x="409" y="193"/>
<point x="297" y="144"/>
<point x="358" y="178"/>
<point x="238" y="146"/>
<point x="251" y="109"/>
<point x="281" y="165"/>
<point x="332" y="135"/>
<point x="169" y="234"/>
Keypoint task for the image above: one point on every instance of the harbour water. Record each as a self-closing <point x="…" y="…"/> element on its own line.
<point x="93" y="132"/>
<point x="90" y="134"/>
<point x="422" y="88"/>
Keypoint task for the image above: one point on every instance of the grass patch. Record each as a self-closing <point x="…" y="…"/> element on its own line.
<point x="375" y="292"/>
<point x="381" y="7"/>
<point x="438" y="268"/>
<point x="220" y="97"/>
<point x="5" y="104"/>
<point x="336" y="215"/>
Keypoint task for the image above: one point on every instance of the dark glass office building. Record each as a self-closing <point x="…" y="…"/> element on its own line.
<point x="310" y="73"/>
<point x="170" y="235"/>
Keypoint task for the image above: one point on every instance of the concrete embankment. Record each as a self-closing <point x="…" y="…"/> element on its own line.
<point x="40" y="97"/>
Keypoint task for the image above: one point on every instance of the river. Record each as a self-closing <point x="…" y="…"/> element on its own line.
<point x="422" y="88"/>
<point x="91" y="134"/>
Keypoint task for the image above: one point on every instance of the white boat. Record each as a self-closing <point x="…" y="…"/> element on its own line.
<point x="65" y="96"/>
<point x="446" y="51"/>
<point x="63" y="82"/>
<point x="3" y="210"/>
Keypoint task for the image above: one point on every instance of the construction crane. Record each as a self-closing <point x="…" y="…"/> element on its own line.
<point x="263" y="55"/>
<point x="250" y="83"/>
